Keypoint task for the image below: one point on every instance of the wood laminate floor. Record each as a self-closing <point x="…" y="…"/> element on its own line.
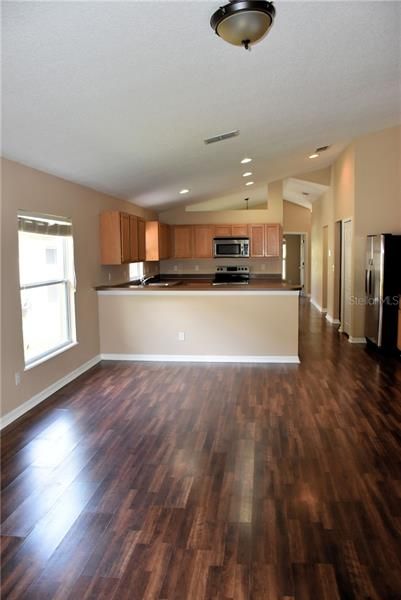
<point x="195" y="481"/>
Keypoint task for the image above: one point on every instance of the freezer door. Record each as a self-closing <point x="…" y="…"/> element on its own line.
<point x="374" y="287"/>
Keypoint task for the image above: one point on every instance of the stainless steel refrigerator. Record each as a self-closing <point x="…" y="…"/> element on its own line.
<point x="382" y="287"/>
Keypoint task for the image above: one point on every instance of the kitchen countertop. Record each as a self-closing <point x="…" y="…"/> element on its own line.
<point x="205" y="285"/>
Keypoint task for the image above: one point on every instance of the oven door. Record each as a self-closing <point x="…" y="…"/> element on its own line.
<point x="227" y="248"/>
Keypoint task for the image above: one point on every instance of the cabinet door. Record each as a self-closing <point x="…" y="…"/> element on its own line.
<point x="125" y="238"/>
<point x="133" y="238"/>
<point x="182" y="241"/>
<point x="110" y="238"/>
<point x="203" y="241"/>
<point x="223" y="231"/>
<point x="141" y="240"/>
<point x="164" y="241"/>
<point x="257" y="239"/>
<point x="240" y="230"/>
<point x="272" y="240"/>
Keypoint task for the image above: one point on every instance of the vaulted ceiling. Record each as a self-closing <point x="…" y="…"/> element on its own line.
<point x="120" y="95"/>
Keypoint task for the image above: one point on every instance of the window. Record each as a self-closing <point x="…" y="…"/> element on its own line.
<point x="136" y="271"/>
<point x="46" y="268"/>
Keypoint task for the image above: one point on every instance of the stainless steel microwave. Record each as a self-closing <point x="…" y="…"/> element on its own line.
<point x="231" y="247"/>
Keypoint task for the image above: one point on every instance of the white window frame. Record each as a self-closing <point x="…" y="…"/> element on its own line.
<point x="68" y="280"/>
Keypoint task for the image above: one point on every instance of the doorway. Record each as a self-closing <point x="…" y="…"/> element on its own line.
<point x="346" y="266"/>
<point x="325" y="257"/>
<point x="294" y="259"/>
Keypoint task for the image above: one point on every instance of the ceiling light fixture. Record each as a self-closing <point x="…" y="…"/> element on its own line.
<point x="249" y="183"/>
<point x="243" y="22"/>
<point x="246" y="160"/>
<point x="314" y="155"/>
<point x="247" y="174"/>
<point x="184" y="191"/>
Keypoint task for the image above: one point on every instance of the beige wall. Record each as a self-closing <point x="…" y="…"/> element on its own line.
<point x="366" y="187"/>
<point x="31" y="190"/>
<point x="214" y="324"/>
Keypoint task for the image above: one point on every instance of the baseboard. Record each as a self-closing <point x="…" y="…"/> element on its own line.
<point x="54" y="387"/>
<point x="202" y="358"/>
<point x="316" y="305"/>
<point x="332" y="320"/>
<point x="356" y="340"/>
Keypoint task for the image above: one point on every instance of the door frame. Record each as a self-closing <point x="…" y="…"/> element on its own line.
<point x="342" y="278"/>
<point x="304" y="240"/>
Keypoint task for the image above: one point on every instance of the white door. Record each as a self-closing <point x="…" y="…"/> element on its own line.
<point x="346" y="277"/>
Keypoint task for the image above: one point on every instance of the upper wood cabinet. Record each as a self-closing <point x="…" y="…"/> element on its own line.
<point x="119" y="238"/>
<point x="141" y="240"/>
<point x="181" y="241"/>
<point x="238" y="230"/>
<point x="203" y="241"/>
<point x="257" y="240"/>
<point x="273" y="240"/>
<point x="265" y="240"/>
<point x="222" y="231"/>
<point x="157" y="241"/>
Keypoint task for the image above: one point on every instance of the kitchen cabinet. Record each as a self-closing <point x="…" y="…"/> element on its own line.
<point x="257" y="240"/>
<point x="203" y="241"/>
<point x="119" y="238"/>
<point x="238" y="230"/>
<point x="182" y="241"/>
<point x="273" y="240"/>
<point x="265" y="240"/>
<point x="222" y="231"/>
<point x="157" y="241"/>
<point x="141" y="240"/>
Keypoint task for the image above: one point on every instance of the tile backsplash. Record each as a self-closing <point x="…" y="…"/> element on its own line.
<point x="259" y="266"/>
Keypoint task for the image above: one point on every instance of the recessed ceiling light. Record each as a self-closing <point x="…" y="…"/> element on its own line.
<point x="246" y="160"/>
<point x="314" y="155"/>
<point x="247" y="174"/>
<point x="249" y="183"/>
<point x="184" y="191"/>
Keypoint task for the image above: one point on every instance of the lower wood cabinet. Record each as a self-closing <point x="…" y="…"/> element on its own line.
<point x="181" y="238"/>
<point x="122" y="238"/>
<point x="157" y="241"/>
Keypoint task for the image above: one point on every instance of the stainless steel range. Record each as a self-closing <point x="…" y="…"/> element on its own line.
<point x="237" y="275"/>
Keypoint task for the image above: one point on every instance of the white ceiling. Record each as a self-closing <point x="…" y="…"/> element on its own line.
<point x="120" y="95"/>
<point x="257" y="195"/>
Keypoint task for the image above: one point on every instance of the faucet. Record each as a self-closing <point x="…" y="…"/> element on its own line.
<point x="145" y="280"/>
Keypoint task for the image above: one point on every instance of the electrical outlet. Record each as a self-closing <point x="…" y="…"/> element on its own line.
<point x="17" y="378"/>
<point x="175" y="268"/>
<point x="181" y="336"/>
<point x="109" y="276"/>
<point x="263" y="267"/>
<point x="196" y="267"/>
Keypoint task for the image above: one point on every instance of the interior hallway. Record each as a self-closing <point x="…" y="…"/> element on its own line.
<point x="192" y="481"/>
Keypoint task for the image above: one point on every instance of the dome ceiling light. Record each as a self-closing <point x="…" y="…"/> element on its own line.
<point x="243" y="22"/>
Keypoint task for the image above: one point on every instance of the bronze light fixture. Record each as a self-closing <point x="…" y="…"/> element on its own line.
<point x="243" y="22"/>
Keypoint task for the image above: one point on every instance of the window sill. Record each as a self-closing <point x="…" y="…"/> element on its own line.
<point x="50" y="355"/>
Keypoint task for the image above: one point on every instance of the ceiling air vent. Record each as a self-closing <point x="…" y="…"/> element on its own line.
<point x="221" y="137"/>
<point x="322" y="149"/>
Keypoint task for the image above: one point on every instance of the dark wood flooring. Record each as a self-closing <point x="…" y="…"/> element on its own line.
<point x="193" y="481"/>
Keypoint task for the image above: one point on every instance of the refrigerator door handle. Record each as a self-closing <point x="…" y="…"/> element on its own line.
<point x="366" y="281"/>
